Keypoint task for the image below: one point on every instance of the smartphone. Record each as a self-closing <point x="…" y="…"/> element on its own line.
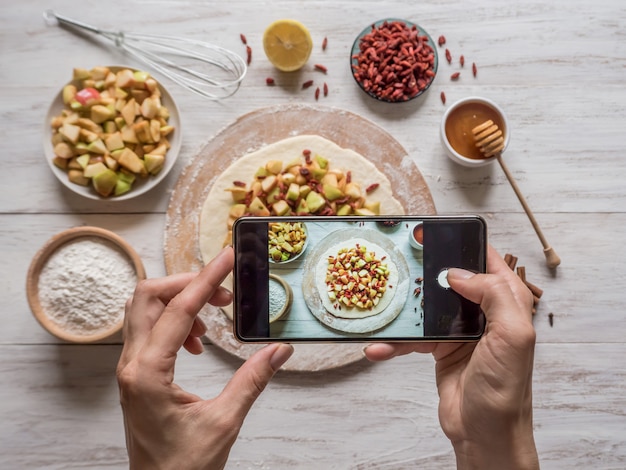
<point x="355" y="279"/>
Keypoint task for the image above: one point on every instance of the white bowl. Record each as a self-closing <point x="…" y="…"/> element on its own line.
<point x="141" y="185"/>
<point x="297" y="255"/>
<point x="412" y="240"/>
<point x="472" y="121"/>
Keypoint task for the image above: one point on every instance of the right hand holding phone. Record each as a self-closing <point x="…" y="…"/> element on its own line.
<point x="485" y="388"/>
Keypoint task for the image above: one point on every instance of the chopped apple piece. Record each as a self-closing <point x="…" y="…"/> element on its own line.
<point x="373" y="206"/>
<point x="100" y="113"/>
<point x="93" y="169"/>
<point x="293" y="192"/>
<point x="125" y="78"/>
<point x="60" y="162"/>
<point x="104" y="182"/>
<point x="111" y="162"/>
<point x="166" y="130"/>
<point x="353" y="190"/>
<point x="155" y="131"/>
<point x="149" y="108"/>
<point x="257" y="207"/>
<point x="89" y="125"/>
<point x="128" y="135"/>
<point x="331" y="192"/>
<point x="114" y="142"/>
<point x="77" y="177"/>
<point x="280" y="208"/>
<point x="274" y="166"/>
<point x="83" y="160"/>
<point x="97" y="146"/>
<point x="129" y="160"/>
<point x="63" y="150"/>
<point x="154" y="163"/>
<point x="238" y="193"/>
<point x="99" y="73"/>
<point x="236" y="211"/>
<point x="69" y="93"/>
<point x="142" y="131"/>
<point x="129" y="112"/>
<point x="122" y="187"/>
<point x="302" y="207"/>
<point x="268" y="183"/>
<point x="315" y="201"/>
<point x="70" y="132"/>
<point x="344" y="209"/>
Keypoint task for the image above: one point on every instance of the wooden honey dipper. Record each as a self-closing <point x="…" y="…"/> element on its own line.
<point x="490" y="141"/>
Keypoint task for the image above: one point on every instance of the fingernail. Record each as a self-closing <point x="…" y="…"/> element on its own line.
<point x="223" y="251"/>
<point x="459" y="274"/>
<point x="280" y="356"/>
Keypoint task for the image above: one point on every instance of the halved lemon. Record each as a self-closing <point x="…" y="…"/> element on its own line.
<point x="287" y="44"/>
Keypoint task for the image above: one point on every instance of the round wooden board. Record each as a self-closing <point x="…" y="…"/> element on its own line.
<point x="249" y="133"/>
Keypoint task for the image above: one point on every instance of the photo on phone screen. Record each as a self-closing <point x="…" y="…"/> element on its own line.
<point x="355" y="278"/>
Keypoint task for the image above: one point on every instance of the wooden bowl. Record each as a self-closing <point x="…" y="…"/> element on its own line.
<point x="288" y="298"/>
<point x="42" y="257"/>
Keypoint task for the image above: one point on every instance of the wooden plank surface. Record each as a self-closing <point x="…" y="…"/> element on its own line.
<point x="557" y="69"/>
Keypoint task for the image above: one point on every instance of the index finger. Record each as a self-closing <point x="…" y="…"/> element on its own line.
<point x="173" y="327"/>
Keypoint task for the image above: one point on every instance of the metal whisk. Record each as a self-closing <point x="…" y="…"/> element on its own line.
<point x="203" y="68"/>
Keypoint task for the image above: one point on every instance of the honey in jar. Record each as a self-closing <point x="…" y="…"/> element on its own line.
<point x="463" y="119"/>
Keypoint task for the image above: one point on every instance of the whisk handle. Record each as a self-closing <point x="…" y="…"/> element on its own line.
<point x="50" y="16"/>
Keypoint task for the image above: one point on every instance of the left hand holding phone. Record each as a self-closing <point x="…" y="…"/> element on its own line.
<point x="166" y="426"/>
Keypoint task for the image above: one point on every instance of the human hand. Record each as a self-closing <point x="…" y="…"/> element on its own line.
<point x="167" y="427"/>
<point x="485" y="388"/>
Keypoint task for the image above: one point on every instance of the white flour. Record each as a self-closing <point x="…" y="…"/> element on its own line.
<point x="84" y="285"/>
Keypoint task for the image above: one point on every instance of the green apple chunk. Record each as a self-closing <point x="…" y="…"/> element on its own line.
<point x="122" y="187"/>
<point x="154" y="163"/>
<point x="105" y="182"/>
<point x="293" y="192"/>
<point x="315" y="201"/>
<point x="332" y="192"/>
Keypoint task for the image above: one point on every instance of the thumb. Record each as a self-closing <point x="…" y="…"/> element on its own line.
<point x="253" y="376"/>
<point x="492" y="292"/>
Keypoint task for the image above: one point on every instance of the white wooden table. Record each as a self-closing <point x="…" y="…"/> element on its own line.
<point x="558" y="70"/>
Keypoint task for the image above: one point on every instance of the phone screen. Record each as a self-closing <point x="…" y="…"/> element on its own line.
<point x="355" y="278"/>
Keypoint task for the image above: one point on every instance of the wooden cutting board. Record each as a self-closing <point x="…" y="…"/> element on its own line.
<point x="249" y="133"/>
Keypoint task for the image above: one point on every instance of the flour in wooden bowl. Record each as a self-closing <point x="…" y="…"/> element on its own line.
<point x="79" y="284"/>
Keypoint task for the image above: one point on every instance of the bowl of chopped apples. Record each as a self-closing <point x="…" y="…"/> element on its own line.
<point x="286" y="241"/>
<point x="112" y="133"/>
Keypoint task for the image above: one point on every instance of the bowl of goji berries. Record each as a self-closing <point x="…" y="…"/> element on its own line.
<point x="394" y="60"/>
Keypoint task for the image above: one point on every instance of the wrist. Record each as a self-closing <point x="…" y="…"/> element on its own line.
<point x="513" y="449"/>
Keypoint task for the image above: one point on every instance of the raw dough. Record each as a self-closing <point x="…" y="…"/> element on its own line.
<point x="214" y="216"/>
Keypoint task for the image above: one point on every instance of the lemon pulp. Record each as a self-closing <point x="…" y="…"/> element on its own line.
<point x="287" y="44"/>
